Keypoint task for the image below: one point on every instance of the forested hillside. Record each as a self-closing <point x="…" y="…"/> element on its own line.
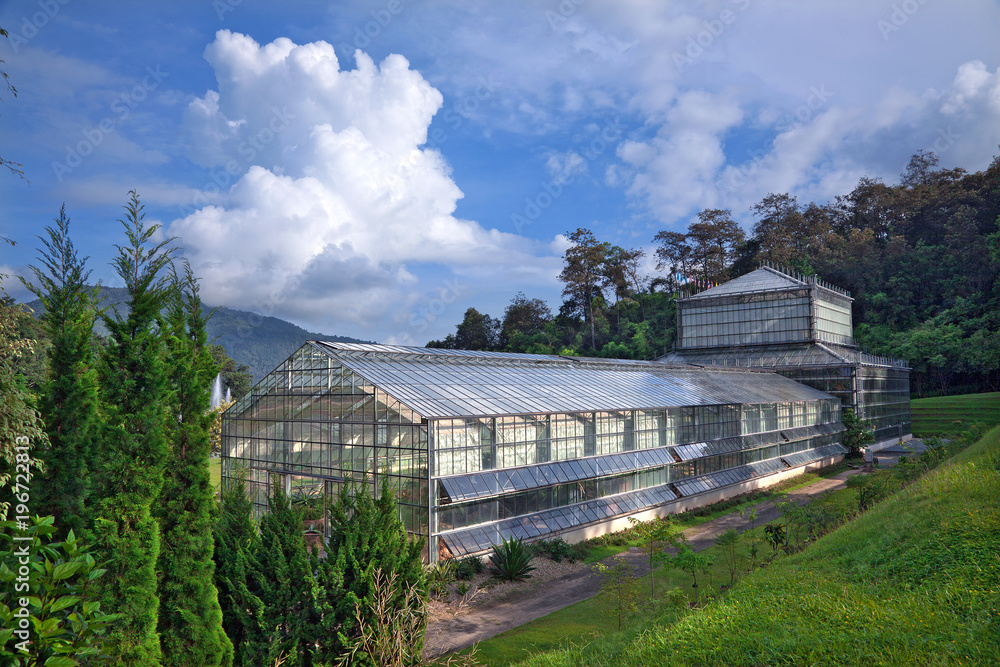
<point x="258" y="342"/>
<point x="920" y="257"/>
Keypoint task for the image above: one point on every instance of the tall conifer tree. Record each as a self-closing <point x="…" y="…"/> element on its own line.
<point x="69" y="397"/>
<point x="366" y="535"/>
<point x="190" y="622"/>
<point x="134" y="448"/>
<point x="237" y="575"/>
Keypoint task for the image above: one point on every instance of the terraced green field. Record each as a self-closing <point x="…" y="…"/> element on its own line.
<point x="943" y="415"/>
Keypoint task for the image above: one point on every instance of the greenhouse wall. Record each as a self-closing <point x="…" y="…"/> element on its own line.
<point x="313" y="425"/>
<point x="552" y="467"/>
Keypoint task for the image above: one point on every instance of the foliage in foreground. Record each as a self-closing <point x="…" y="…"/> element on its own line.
<point x="64" y="624"/>
<point x="280" y="601"/>
<point x="912" y="581"/>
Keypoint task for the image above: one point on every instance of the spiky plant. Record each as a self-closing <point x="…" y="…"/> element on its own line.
<point x="511" y="560"/>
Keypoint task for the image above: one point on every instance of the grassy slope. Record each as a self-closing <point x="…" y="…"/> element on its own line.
<point x="590" y="621"/>
<point x="915" y="581"/>
<point x="948" y="414"/>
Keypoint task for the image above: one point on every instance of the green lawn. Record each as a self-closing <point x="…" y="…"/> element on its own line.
<point x="944" y="415"/>
<point x="914" y="581"/>
<point x="215" y="471"/>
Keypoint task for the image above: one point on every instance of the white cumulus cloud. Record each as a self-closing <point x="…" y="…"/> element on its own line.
<point x="334" y="202"/>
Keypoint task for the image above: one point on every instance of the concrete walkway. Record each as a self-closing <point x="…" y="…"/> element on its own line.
<point x="477" y="624"/>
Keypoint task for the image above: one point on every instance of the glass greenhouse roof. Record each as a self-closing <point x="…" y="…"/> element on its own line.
<point x="780" y="356"/>
<point x="460" y="383"/>
<point x="764" y="279"/>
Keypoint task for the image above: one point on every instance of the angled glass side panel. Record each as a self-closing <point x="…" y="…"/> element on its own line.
<point x="563" y="473"/>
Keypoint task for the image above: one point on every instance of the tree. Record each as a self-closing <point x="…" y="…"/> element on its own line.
<point x="69" y="396"/>
<point x="190" y="622"/>
<point x="22" y="432"/>
<point x="787" y="234"/>
<point x="67" y="627"/>
<point x="858" y="432"/>
<point x="477" y="332"/>
<point x="654" y="533"/>
<point x="872" y="487"/>
<point x="523" y="316"/>
<point x="673" y="254"/>
<point x="582" y="274"/>
<point x="727" y="542"/>
<point x="618" y="587"/>
<point x="749" y="512"/>
<point x="369" y="536"/>
<point x="621" y="274"/>
<point x="686" y="559"/>
<point x="15" y="168"/>
<point x="715" y="240"/>
<point x="238" y="575"/>
<point x="134" y="448"/>
<point x="288" y="585"/>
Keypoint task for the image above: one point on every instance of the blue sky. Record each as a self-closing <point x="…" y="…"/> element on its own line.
<point x="375" y="168"/>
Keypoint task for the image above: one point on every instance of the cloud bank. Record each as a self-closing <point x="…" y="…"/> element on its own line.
<point x="334" y="206"/>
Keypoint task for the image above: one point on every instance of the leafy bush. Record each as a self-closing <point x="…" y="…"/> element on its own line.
<point x="511" y="560"/>
<point x="468" y="567"/>
<point x="557" y="549"/>
<point x="67" y="624"/>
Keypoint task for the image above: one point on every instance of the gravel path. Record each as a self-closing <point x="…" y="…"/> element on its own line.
<point x="462" y="627"/>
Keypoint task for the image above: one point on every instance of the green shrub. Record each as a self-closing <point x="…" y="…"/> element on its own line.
<point x="557" y="549"/>
<point x="511" y="560"/>
<point x="468" y="567"/>
<point x="439" y="576"/>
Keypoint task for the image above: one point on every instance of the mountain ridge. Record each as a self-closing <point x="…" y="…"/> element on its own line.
<point x="261" y="342"/>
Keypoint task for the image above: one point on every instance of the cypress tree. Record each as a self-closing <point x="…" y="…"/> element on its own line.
<point x="69" y="397"/>
<point x="366" y="535"/>
<point x="237" y="575"/>
<point x="134" y="448"/>
<point x="288" y="584"/>
<point x="190" y="622"/>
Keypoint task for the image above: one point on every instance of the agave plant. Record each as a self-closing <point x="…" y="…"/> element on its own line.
<point x="511" y="560"/>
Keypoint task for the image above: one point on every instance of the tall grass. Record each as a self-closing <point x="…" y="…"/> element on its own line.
<point x="914" y="581"/>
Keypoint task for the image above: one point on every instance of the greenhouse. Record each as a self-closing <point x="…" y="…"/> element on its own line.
<point x="481" y="446"/>
<point x="799" y="327"/>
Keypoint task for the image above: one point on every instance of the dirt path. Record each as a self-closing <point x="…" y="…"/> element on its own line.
<point x="473" y="624"/>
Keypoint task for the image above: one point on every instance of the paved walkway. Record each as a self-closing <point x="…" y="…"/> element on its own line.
<point x="477" y="624"/>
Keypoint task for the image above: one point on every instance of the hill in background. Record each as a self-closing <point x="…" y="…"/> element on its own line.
<point x="257" y="341"/>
